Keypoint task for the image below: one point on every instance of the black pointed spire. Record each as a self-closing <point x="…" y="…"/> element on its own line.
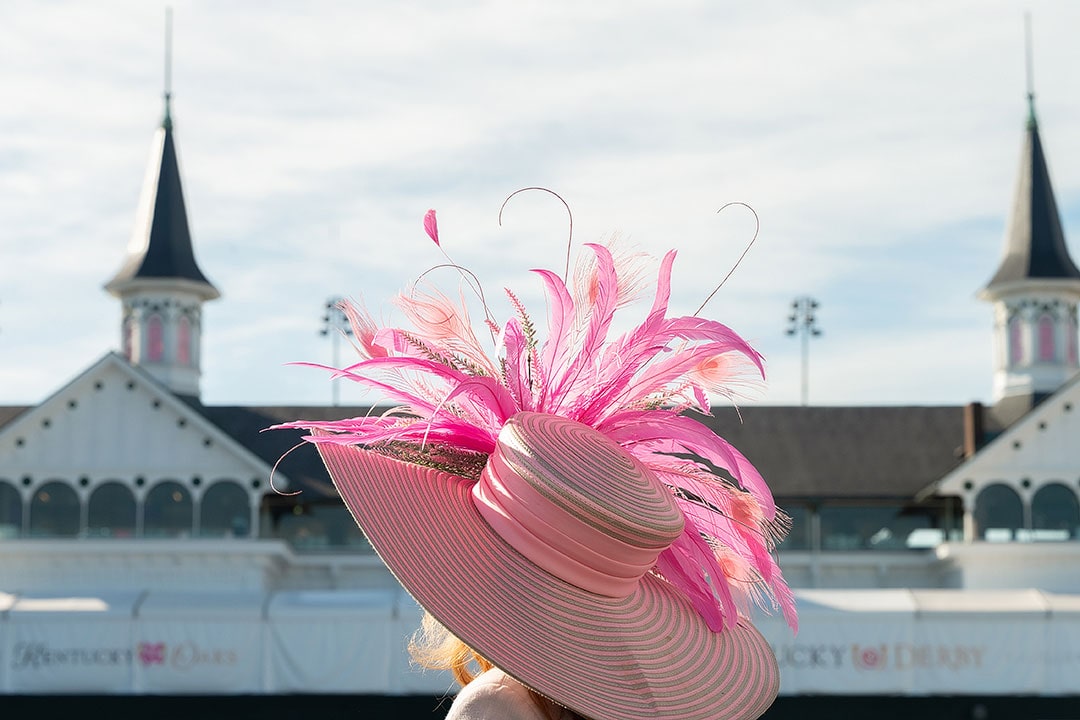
<point x="1035" y="242"/>
<point x="161" y="246"/>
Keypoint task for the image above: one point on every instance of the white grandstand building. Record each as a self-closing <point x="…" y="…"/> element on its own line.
<point x="144" y="556"/>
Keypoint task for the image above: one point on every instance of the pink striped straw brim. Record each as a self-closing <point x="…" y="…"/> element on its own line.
<point x="505" y="562"/>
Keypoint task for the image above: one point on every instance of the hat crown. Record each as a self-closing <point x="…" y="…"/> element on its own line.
<point x="591" y="477"/>
<point x="575" y="503"/>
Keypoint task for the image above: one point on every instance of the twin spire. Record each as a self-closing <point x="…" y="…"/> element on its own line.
<point x="160" y="247"/>
<point x="160" y="284"/>
<point x="1035" y="290"/>
<point x="1035" y="243"/>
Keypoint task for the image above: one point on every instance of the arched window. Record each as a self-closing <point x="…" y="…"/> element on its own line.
<point x="111" y="512"/>
<point x="1016" y="340"/>
<point x="1047" y="351"/>
<point x="54" y="511"/>
<point x="10" y="511"/>
<point x="183" y="341"/>
<point x="1055" y="513"/>
<point x="167" y="511"/>
<point x="224" y="511"/>
<point x="155" y="339"/>
<point x="998" y="513"/>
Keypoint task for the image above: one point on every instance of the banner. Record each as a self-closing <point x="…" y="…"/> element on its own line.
<point x="1063" y="650"/>
<point x="346" y="641"/>
<point x="7" y="601"/>
<point x="330" y="642"/>
<point x="957" y="655"/>
<point x="939" y="642"/>
<point x="190" y="643"/>
<point x="68" y="645"/>
<point x="355" y="641"/>
<point x="840" y="655"/>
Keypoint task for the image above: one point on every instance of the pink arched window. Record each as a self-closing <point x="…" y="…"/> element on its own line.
<point x="1047" y="351"/>
<point x="155" y="339"/>
<point x="1016" y="341"/>
<point x="183" y="341"/>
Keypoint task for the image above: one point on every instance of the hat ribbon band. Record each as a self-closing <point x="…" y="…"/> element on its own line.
<point x="556" y="540"/>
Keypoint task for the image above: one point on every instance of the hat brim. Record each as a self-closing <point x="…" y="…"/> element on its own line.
<point x="646" y="655"/>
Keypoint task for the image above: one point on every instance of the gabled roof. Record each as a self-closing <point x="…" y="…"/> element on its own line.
<point x="815" y="452"/>
<point x="845" y="452"/>
<point x="803" y="452"/>
<point x="161" y="247"/>
<point x="1040" y="446"/>
<point x="1035" y="243"/>
<point x="10" y="412"/>
<point x="242" y="427"/>
<point x="301" y="465"/>
<point x="116" y="419"/>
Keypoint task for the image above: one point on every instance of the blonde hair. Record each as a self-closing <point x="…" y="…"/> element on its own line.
<point x="434" y="647"/>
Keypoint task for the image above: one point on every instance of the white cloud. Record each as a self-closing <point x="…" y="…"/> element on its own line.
<point x="877" y="142"/>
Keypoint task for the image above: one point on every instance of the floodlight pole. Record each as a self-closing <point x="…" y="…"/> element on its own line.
<point x="336" y="325"/>
<point x="804" y="322"/>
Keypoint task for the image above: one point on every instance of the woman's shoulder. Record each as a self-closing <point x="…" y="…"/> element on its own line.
<point x="494" y="695"/>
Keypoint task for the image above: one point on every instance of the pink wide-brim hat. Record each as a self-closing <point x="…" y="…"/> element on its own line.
<point x="542" y="567"/>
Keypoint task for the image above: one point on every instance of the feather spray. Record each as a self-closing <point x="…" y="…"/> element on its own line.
<point x="636" y="388"/>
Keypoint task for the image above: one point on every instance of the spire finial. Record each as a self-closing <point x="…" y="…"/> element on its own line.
<point x="167" y="121"/>
<point x="1030" y="66"/>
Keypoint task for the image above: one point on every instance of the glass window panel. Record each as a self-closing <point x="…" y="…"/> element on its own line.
<point x="799" y="537"/>
<point x="998" y="513"/>
<point x="168" y="511"/>
<point x="54" y="511"/>
<point x="302" y="530"/>
<point x="1055" y="513"/>
<point x="341" y="530"/>
<point x="875" y="527"/>
<point x="224" y="511"/>
<point x="10" y="511"/>
<point x="320" y="528"/>
<point x="111" y="512"/>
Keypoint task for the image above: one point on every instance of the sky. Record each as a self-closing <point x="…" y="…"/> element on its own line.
<point x="878" y="144"/>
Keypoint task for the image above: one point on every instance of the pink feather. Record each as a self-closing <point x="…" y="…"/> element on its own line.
<point x="663" y="432"/>
<point x="431" y="227"/>
<point x="364" y="331"/>
<point x="690" y="565"/>
<point x="560" y="320"/>
<point x="515" y="368"/>
<point x="565" y="381"/>
<point x="489" y="394"/>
